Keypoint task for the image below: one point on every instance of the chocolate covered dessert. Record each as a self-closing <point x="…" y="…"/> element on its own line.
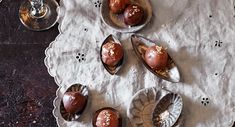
<point x="73" y="102"/>
<point x="107" y="118"/>
<point x="118" y="6"/>
<point x="112" y="53"/>
<point x="133" y="15"/>
<point x="156" y="57"/>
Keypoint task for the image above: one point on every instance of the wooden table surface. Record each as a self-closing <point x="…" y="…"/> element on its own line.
<point x="27" y="90"/>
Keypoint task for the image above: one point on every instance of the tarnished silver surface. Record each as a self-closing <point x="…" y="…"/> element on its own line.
<point x="142" y="105"/>
<point x="167" y="110"/>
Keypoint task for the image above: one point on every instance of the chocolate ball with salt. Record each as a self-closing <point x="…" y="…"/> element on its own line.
<point x="107" y="118"/>
<point x="133" y="15"/>
<point x="112" y="53"/>
<point x="118" y="6"/>
<point x="74" y="102"/>
<point x="156" y="57"/>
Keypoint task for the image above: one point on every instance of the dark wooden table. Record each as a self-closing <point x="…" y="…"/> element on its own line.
<point x="26" y="89"/>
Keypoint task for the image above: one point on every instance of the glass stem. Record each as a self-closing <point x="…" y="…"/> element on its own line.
<point x="38" y="10"/>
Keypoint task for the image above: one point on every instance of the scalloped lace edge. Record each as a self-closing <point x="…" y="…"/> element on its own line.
<point x="49" y="68"/>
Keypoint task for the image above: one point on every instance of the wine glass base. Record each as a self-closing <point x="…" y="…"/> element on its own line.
<point x="39" y="23"/>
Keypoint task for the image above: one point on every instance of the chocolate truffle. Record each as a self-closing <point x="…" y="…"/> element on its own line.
<point x="112" y="53"/>
<point x="107" y="118"/>
<point x="73" y="102"/>
<point x="118" y="6"/>
<point x="156" y="57"/>
<point x="133" y="15"/>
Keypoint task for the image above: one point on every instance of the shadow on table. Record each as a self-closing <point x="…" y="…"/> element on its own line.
<point x="189" y="64"/>
<point x="195" y="113"/>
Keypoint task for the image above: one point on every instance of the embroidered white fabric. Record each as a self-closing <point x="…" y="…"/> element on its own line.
<point x="199" y="35"/>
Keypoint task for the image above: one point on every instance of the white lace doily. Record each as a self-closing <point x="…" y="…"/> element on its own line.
<point x="199" y="35"/>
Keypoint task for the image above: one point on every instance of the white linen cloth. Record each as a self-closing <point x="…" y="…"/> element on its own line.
<point x="199" y="35"/>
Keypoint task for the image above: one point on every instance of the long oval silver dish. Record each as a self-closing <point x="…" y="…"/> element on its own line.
<point x="116" y="68"/>
<point x="167" y="111"/>
<point x="140" y="45"/>
<point x="74" y="88"/>
<point x="116" y="21"/>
